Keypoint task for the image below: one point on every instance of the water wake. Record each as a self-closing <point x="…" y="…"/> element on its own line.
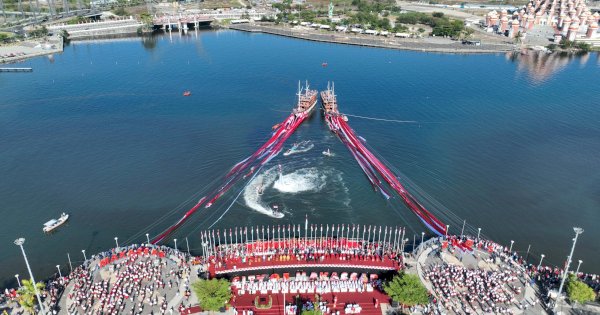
<point x="301" y="147"/>
<point x="253" y="193"/>
<point x="302" y="180"/>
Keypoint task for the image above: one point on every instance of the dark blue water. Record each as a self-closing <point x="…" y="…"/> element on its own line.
<point x="102" y="131"/>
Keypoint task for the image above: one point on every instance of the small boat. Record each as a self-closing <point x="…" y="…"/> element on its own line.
<point x="275" y="126"/>
<point x="260" y="190"/>
<point x="187" y="93"/>
<point x="291" y="150"/>
<point x="275" y="212"/>
<point x="324" y="64"/>
<point x="54" y="223"/>
<point x="328" y="153"/>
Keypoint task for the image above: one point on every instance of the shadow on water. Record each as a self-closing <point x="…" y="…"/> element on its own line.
<point x="541" y="66"/>
<point x="149" y="42"/>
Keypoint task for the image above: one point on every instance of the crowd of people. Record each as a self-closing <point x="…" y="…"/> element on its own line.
<point x="129" y="284"/>
<point x="462" y="289"/>
<point x="475" y="288"/>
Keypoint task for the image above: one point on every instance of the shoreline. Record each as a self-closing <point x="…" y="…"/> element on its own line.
<point x="31" y="50"/>
<point x="375" y="42"/>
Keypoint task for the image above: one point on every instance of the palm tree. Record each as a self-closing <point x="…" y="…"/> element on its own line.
<point x="518" y="37"/>
<point x="27" y="294"/>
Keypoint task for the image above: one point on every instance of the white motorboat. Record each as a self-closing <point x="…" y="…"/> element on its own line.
<point x="328" y="153"/>
<point x="55" y="223"/>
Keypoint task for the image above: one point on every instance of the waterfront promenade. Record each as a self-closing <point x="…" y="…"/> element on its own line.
<point x="462" y="274"/>
<point x="432" y="44"/>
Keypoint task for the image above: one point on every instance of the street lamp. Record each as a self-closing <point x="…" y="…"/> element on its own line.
<point x="541" y="259"/>
<point x="578" y="265"/>
<point x="19" y="242"/>
<point x="59" y="274"/>
<point x="511" y="244"/>
<point x="18" y="281"/>
<point x="117" y="242"/>
<point x="84" y="257"/>
<point x="478" y="232"/>
<point x="578" y="231"/>
<point x="447" y="228"/>
<point x="175" y="243"/>
<point x="148" y="238"/>
<point x="422" y="236"/>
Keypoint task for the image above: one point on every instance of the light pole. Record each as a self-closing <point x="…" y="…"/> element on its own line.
<point x="84" y="257"/>
<point x="117" y="242"/>
<point x="478" y="232"/>
<point x="59" y="274"/>
<point x="18" y="281"/>
<point x="148" y="238"/>
<point x="422" y="237"/>
<point x="578" y="265"/>
<point x="511" y="244"/>
<point x="541" y="259"/>
<point x="175" y="243"/>
<point x="19" y="242"/>
<point x="447" y="229"/>
<point x="578" y="231"/>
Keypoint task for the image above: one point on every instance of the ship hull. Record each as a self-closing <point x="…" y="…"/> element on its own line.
<point x="310" y="109"/>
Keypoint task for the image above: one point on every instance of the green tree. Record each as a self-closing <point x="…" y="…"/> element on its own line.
<point x="120" y="11"/>
<point x="312" y="312"/>
<point x="27" y="296"/>
<point x="579" y="291"/>
<point x="407" y="289"/>
<point x="212" y="294"/>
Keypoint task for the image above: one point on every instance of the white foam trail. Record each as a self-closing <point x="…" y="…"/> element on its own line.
<point x="253" y="200"/>
<point x="302" y="180"/>
<point x="302" y="147"/>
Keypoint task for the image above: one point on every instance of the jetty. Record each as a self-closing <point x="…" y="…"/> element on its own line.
<point x="16" y="70"/>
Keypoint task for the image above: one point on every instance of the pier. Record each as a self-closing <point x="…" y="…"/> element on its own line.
<point x="16" y="70"/>
<point x="182" y="22"/>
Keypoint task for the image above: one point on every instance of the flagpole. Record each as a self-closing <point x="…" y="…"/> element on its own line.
<point x="305" y="229"/>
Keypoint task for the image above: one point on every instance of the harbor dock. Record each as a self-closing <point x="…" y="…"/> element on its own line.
<point x="16" y="70"/>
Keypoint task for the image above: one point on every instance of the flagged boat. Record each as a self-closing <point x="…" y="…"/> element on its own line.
<point x="187" y="93"/>
<point x="55" y="223"/>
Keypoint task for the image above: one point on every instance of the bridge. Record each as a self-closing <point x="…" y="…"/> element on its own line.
<point x="182" y="21"/>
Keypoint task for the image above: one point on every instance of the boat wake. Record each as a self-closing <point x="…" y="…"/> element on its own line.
<point x="302" y="180"/>
<point x="274" y="184"/>
<point x="301" y="147"/>
<point x="254" y="191"/>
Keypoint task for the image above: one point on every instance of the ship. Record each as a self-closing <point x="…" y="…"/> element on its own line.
<point x="330" y="106"/>
<point x="307" y="99"/>
<point x="55" y="223"/>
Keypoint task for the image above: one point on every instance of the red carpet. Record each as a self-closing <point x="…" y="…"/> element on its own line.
<point x="344" y="261"/>
<point x="365" y="300"/>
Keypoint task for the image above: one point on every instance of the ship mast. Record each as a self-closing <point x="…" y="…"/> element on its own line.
<point x="299" y="92"/>
<point x="306" y="91"/>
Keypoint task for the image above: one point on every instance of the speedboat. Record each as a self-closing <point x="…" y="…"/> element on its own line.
<point x="275" y="212"/>
<point x="55" y="223"/>
<point x="291" y="150"/>
<point x="187" y="93"/>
